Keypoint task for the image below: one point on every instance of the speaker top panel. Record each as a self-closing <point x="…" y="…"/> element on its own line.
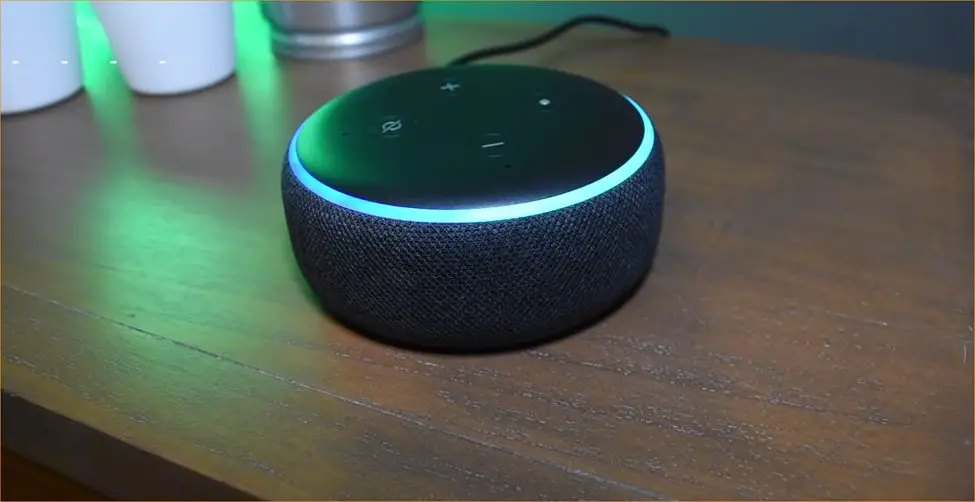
<point x="483" y="136"/>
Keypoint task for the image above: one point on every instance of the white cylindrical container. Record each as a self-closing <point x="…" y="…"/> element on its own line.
<point x="170" y="47"/>
<point x="41" y="56"/>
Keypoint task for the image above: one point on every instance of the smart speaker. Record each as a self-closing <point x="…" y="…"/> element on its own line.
<point x="476" y="207"/>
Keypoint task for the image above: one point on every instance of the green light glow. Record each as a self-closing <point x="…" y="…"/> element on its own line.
<point x="186" y="260"/>
<point x="107" y="91"/>
<point x="134" y="228"/>
<point x="148" y="235"/>
<point x="161" y="247"/>
<point x="263" y="89"/>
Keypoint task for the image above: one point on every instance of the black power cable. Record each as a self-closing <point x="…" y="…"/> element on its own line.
<point x="548" y="36"/>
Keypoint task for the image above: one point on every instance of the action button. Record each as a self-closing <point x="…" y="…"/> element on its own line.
<point x="545" y="102"/>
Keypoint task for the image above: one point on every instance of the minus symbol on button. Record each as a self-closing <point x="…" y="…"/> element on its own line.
<point x="492" y="145"/>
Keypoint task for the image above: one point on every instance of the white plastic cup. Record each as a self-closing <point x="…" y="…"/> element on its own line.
<point x="170" y="47"/>
<point x="41" y="55"/>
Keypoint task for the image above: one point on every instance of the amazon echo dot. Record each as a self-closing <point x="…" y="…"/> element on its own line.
<point x="475" y="207"/>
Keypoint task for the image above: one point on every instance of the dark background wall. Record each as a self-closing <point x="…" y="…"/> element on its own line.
<point x="934" y="34"/>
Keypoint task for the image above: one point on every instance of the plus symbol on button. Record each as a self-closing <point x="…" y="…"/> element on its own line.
<point x="449" y="86"/>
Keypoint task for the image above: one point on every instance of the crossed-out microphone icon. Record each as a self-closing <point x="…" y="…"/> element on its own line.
<point x="392" y="126"/>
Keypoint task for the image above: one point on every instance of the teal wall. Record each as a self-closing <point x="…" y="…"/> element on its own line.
<point x="935" y="34"/>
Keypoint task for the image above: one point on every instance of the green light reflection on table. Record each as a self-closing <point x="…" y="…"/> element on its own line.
<point x="163" y="248"/>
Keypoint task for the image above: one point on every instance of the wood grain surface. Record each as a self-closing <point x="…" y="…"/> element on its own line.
<point x="806" y="332"/>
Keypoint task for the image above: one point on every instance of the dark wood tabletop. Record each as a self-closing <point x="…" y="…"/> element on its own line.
<point x="806" y="332"/>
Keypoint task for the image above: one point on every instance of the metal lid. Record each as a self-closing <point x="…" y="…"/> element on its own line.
<point x="347" y="44"/>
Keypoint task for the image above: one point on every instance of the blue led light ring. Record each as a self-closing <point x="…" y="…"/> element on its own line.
<point x="484" y="214"/>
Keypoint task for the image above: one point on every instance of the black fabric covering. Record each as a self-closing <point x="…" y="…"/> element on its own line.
<point x="478" y="286"/>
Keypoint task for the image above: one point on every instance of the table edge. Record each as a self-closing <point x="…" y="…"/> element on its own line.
<point x="100" y="461"/>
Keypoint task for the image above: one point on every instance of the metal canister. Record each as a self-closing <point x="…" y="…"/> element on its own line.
<point x="341" y="30"/>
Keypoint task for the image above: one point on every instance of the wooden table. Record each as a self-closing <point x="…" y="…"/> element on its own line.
<point x="806" y="333"/>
